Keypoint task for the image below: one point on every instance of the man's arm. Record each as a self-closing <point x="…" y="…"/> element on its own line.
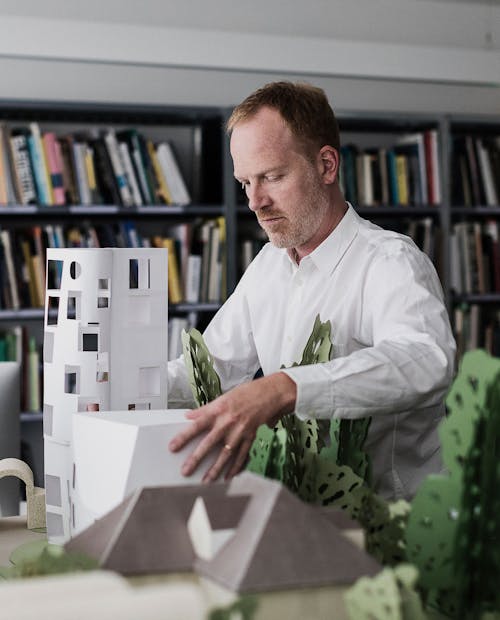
<point x="233" y="419"/>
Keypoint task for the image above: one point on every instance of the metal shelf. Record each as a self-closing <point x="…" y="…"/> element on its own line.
<point x="477" y="298"/>
<point x="479" y="211"/>
<point x="37" y="314"/>
<point x="192" y="210"/>
<point x="28" y="417"/>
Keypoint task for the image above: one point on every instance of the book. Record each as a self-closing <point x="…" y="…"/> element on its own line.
<point x="473" y="166"/>
<point x="118" y="168"/>
<point x="70" y="182"/>
<point x="23" y="172"/>
<point x="402" y="179"/>
<point x="105" y="175"/>
<point x="130" y="173"/>
<point x="39" y="163"/>
<point x="134" y="140"/>
<point x="35" y="300"/>
<point x="33" y="376"/>
<point x="182" y="233"/>
<point x="11" y="273"/>
<point x="52" y="151"/>
<point x="364" y="179"/>
<point x="79" y="154"/>
<point x="486" y="171"/>
<point x="95" y="194"/>
<point x="162" y="190"/>
<point x="172" y="173"/>
<point x="7" y="184"/>
<point x="384" y="176"/>
<point x="174" y="279"/>
<point x="432" y="166"/>
<point x="392" y="175"/>
<point x="193" y="278"/>
<point x="414" y="146"/>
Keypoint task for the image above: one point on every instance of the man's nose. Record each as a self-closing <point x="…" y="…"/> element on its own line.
<point x="257" y="197"/>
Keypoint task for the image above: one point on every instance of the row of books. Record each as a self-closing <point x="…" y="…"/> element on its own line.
<point x="121" y="168"/>
<point x="475" y="171"/>
<point x="16" y="345"/>
<point x="477" y="327"/>
<point x="475" y="257"/>
<point x="408" y="173"/>
<point x="196" y="267"/>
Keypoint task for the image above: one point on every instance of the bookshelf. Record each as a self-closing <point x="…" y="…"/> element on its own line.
<point x="203" y="155"/>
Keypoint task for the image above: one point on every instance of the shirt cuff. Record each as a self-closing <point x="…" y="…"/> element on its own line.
<point x="314" y="391"/>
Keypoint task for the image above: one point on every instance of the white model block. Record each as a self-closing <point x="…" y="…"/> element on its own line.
<point x="115" y="453"/>
<point x="57" y="465"/>
<point x="106" y="340"/>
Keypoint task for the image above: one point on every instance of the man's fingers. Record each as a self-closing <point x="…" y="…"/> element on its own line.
<point x="199" y="424"/>
<point x="241" y="458"/>
<point x="202" y="449"/>
<point x="222" y="460"/>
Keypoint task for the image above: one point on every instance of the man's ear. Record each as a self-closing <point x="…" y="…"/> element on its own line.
<point x="329" y="161"/>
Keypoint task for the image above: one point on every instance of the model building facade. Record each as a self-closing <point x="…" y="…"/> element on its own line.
<point x="105" y="348"/>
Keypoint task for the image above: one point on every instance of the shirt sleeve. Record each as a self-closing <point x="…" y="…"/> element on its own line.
<point x="409" y="361"/>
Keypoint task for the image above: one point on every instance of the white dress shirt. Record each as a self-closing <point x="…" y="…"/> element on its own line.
<point x="393" y="347"/>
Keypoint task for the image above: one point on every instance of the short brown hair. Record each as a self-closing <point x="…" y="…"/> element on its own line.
<point x="304" y="108"/>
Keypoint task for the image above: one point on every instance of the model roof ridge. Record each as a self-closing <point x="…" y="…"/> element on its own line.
<point x="278" y="557"/>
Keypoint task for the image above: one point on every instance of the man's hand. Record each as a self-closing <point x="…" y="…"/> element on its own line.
<point x="232" y="420"/>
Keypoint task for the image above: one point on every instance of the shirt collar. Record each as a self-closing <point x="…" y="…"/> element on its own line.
<point x="330" y="252"/>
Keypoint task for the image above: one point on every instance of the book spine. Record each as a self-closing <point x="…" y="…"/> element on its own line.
<point x="162" y="191"/>
<point x="130" y="173"/>
<point x="33" y="365"/>
<point x="81" y="173"/>
<point x="23" y="170"/>
<point x="118" y="168"/>
<point x="402" y="179"/>
<point x="173" y="174"/>
<point x="42" y="178"/>
<point x="53" y="156"/>
<point x="7" y="246"/>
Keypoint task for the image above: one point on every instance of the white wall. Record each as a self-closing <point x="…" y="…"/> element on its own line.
<point x="422" y="55"/>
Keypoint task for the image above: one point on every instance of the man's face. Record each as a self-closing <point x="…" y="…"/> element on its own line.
<point x="284" y="188"/>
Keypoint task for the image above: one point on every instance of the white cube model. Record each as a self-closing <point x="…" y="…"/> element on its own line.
<point x="105" y="348"/>
<point x="117" y="452"/>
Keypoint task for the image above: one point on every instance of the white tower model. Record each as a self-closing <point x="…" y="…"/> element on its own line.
<point x="105" y="349"/>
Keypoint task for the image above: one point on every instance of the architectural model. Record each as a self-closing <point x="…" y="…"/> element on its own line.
<point x="105" y="348"/>
<point x="249" y="535"/>
<point x="118" y="452"/>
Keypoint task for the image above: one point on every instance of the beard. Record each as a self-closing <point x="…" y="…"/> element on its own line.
<point x="300" y="221"/>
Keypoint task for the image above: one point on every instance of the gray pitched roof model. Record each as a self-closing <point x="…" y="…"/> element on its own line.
<point x="279" y="542"/>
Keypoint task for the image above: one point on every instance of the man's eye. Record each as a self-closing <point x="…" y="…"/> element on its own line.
<point x="272" y="178"/>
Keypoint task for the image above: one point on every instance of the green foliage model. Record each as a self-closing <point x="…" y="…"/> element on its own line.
<point x="453" y="531"/>
<point x="321" y="461"/>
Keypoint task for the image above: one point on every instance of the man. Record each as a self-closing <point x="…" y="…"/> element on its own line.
<point x="393" y="347"/>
